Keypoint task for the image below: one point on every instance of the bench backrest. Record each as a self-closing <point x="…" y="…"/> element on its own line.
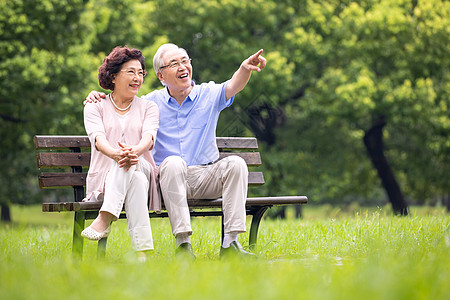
<point x="63" y="160"/>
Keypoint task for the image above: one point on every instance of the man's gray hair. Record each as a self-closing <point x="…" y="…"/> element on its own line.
<point x="157" y="59"/>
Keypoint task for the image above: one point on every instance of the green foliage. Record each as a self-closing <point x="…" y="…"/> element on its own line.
<point x="388" y="66"/>
<point x="363" y="60"/>
<point x="42" y="79"/>
<point x="333" y="68"/>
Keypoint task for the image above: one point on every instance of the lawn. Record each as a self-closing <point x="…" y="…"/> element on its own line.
<point x="329" y="254"/>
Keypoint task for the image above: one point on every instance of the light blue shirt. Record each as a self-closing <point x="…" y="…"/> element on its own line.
<point x="189" y="130"/>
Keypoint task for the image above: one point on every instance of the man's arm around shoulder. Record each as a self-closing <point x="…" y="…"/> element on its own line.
<point x="94" y="96"/>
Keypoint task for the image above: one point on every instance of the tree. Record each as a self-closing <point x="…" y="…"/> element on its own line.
<point x="42" y="77"/>
<point x="390" y="65"/>
<point x="335" y="69"/>
<point x="337" y="72"/>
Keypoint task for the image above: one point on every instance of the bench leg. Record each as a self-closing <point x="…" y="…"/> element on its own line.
<point x="78" y="226"/>
<point x="101" y="248"/>
<point x="257" y="216"/>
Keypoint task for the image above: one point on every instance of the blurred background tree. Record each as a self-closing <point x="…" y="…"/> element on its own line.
<point x="43" y="69"/>
<point x="352" y="106"/>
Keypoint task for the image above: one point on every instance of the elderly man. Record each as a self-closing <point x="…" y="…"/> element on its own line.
<point x="185" y="148"/>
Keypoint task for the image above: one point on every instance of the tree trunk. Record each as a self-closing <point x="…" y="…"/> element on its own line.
<point x="6" y="215"/>
<point x="263" y="119"/>
<point x="373" y="140"/>
<point x="281" y="213"/>
<point x="447" y="202"/>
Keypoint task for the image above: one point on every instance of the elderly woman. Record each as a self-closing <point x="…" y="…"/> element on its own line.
<point x="122" y="131"/>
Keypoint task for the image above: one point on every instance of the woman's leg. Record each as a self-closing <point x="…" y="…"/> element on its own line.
<point x="102" y="221"/>
<point x="136" y="208"/>
<point x="116" y="186"/>
<point x="129" y="188"/>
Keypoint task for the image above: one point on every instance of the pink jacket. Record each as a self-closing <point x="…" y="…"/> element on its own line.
<point x="101" y="119"/>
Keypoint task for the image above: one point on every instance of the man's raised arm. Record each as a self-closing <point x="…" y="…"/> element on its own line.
<point x="240" y="78"/>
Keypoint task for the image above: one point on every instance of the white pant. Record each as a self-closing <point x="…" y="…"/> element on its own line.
<point x="227" y="178"/>
<point x="131" y="188"/>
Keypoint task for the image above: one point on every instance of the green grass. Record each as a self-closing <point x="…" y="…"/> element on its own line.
<point x="330" y="254"/>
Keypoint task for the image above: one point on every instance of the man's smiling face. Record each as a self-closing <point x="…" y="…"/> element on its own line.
<point x="176" y="72"/>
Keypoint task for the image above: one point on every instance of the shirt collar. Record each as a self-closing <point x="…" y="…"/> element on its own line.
<point x="192" y="95"/>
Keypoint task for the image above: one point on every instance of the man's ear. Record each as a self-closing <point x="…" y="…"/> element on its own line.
<point x="160" y="76"/>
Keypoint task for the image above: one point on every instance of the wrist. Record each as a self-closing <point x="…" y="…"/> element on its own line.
<point x="139" y="150"/>
<point x="115" y="155"/>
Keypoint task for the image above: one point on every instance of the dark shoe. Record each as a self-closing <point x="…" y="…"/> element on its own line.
<point x="236" y="250"/>
<point x="185" y="249"/>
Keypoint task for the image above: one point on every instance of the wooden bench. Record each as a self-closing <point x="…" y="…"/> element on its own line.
<point x="63" y="162"/>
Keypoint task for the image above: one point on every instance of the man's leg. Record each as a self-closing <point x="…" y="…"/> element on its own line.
<point x="173" y="172"/>
<point x="234" y="194"/>
<point x="229" y="178"/>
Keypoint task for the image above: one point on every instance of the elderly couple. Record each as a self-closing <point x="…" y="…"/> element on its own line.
<point x="166" y="141"/>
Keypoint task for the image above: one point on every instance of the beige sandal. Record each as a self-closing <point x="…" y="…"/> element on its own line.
<point x="93" y="235"/>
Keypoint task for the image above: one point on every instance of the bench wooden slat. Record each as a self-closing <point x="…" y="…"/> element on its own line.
<point x="279" y="200"/>
<point x="237" y="143"/>
<point x="193" y="203"/>
<point x="57" y="159"/>
<point x="61" y="141"/>
<point x="251" y="158"/>
<point x="58" y="207"/>
<point x="61" y="179"/>
<point x="255" y="178"/>
<point x="68" y="141"/>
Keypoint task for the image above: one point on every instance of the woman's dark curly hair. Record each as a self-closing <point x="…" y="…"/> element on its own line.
<point x="112" y="64"/>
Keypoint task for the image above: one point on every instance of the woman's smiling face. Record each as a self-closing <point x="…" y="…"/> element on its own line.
<point x="129" y="79"/>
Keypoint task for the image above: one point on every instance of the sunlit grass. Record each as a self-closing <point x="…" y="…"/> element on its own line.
<point x="329" y="254"/>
